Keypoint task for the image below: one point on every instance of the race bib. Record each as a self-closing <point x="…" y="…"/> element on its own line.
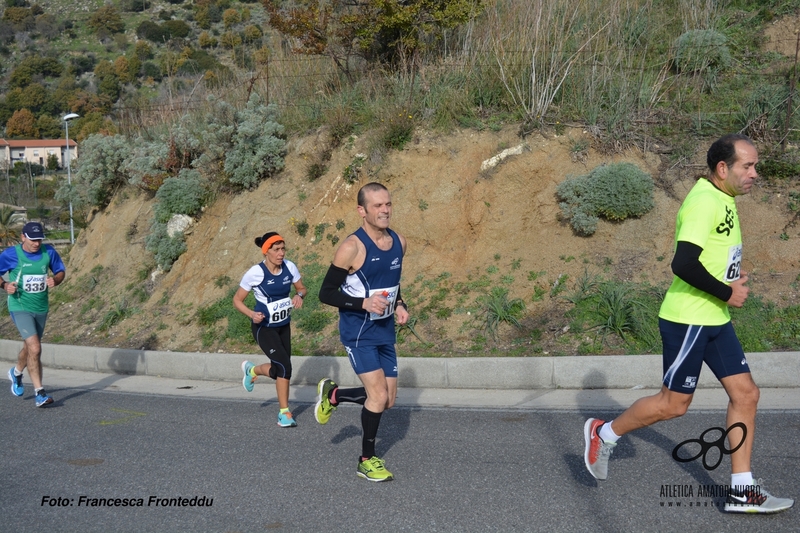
<point x="33" y="283"/>
<point x="279" y="310"/>
<point x="734" y="263"/>
<point x="391" y="294"/>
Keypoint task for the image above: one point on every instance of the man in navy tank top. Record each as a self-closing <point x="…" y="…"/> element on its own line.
<point x="363" y="281"/>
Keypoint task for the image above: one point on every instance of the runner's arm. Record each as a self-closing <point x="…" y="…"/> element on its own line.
<point x="398" y="301"/>
<point x="330" y="294"/>
<point x="57" y="278"/>
<point x="687" y="266"/>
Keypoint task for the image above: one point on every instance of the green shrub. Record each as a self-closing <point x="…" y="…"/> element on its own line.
<point x="615" y="192"/>
<point x="763" y="114"/>
<point x="152" y="32"/>
<point x="182" y="195"/>
<point x="340" y="120"/>
<point x="199" y="61"/>
<point x="778" y="168"/>
<point x="211" y="314"/>
<point x="702" y="50"/>
<point x="99" y="172"/>
<point x="316" y="170"/>
<point x="618" y="310"/>
<point x="353" y="170"/>
<point x="398" y="130"/>
<point x="118" y="312"/>
<point x="164" y="248"/>
<point x="313" y="317"/>
<point x="105" y="20"/>
<point x="314" y="321"/>
<point x="758" y="324"/>
<point x="176" y="29"/>
<point x="497" y="308"/>
<point x="238" y="328"/>
<point x="144" y="162"/>
<point x="258" y="145"/>
<point x="132" y="6"/>
<point x="151" y="70"/>
<point x="319" y="231"/>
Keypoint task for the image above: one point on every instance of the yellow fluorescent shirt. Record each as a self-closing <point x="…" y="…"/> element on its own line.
<point x="708" y="219"/>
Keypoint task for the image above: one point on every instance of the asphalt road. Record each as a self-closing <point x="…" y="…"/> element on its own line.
<point x="471" y="470"/>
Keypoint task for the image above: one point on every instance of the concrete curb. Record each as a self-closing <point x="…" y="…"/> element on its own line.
<point x="771" y="369"/>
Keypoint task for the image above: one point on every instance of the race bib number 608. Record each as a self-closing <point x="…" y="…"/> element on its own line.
<point x="279" y="310"/>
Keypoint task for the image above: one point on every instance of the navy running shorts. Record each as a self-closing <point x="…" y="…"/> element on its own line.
<point x="365" y="359"/>
<point x="686" y="347"/>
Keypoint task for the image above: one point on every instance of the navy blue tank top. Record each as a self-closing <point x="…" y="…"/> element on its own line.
<point x="379" y="273"/>
<point x="272" y="296"/>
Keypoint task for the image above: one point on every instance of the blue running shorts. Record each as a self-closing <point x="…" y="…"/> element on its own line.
<point x="686" y="347"/>
<point x="365" y="359"/>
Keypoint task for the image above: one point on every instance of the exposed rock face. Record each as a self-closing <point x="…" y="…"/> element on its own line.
<point x="179" y="224"/>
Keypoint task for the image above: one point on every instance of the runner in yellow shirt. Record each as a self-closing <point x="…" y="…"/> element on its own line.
<point x="696" y="326"/>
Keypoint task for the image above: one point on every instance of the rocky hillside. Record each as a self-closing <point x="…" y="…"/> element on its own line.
<point x="468" y="230"/>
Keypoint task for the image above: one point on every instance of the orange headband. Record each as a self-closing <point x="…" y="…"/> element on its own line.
<point x="269" y="242"/>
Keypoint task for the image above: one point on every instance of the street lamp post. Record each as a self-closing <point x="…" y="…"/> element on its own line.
<point x="66" y="119"/>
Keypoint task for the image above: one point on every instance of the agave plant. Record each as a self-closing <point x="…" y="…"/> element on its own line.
<point x="9" y="220"/>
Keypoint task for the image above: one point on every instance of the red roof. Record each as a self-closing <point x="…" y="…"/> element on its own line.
<point x="36" y="143"/>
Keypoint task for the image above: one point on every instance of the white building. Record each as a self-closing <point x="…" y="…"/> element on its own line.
<point x="35" y="151"/>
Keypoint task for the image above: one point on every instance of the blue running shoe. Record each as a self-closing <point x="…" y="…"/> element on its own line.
<point x="17" y="389"/>
<point x="247" y="380"/>
<point x="42" y="398"/>
<point x="286" y="420"/>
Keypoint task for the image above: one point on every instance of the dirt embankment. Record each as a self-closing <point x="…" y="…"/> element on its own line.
<point x="459" y="221"/>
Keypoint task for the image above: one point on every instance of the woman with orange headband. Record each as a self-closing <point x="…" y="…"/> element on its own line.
<point x="271" y="282"/>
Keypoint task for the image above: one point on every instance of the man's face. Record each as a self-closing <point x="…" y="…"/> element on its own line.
<point x="739" y="178"/>
<point x="31" y="245"/>
<point x="377" y="209"/>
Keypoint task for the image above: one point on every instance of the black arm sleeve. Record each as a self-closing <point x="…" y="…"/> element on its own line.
<point x="399" y="301"/>
<point x="330" y="294"/>
<point x="687" y="266"/>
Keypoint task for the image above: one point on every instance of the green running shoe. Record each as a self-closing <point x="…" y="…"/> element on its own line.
<point x="324" y="407"/>
<point x="374" y="469"/>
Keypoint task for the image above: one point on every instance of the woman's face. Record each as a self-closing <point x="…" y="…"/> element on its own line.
<point x="276" y="253"/>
